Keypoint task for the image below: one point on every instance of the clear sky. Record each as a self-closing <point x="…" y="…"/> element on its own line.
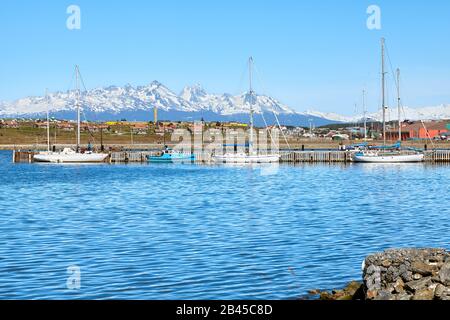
<point x="310" y="54"/>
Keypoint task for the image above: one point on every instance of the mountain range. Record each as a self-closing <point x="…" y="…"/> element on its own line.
<point x="193" y="103"/>
<point x="137" y="104"/>
<point x="440" y="112"/>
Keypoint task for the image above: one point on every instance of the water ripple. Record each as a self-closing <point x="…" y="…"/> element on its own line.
<point x="198" y="232"/>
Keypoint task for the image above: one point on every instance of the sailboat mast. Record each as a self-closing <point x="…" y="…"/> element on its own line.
<point x="250" y="65"/>
<point x="383" y="89"/>
<point x="48" y="120"/>
<point x="77" y="75"/>
<point x="365" y="114"/>
<point x="399" y="105"/>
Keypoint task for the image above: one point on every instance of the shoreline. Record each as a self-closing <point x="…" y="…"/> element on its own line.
<point x="397" y="274"/>
<point x="294" y="145"/>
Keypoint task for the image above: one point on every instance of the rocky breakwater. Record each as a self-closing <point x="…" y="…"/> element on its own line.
<point x="407" y="274"/>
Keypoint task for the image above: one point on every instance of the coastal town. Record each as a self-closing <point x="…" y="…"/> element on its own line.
<point x="34" y="131"/>
<point x="225" y="159"/>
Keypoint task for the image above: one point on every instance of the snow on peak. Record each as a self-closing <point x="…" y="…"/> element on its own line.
<point x="116" y="99"/>
<point x="194" y="94"/>
<point x="440" y="112"/>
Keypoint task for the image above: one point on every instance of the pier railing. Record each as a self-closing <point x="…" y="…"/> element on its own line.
<point x="316" y="156"/>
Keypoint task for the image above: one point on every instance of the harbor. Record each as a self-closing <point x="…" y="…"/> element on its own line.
<point x="225" y="159"/>
<point x="294" y="156"/>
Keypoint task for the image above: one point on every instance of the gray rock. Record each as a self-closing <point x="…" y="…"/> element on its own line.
<point x="444" y="274"/>
<point x="417" y="285"/>
<point x="439" y="292"/>
<point x="405" y="274"/>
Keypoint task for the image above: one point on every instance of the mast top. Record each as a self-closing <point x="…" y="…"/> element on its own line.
<point x="250" y="65"/>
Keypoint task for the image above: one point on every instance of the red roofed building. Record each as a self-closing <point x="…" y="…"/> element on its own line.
<point x="419" y="130"/>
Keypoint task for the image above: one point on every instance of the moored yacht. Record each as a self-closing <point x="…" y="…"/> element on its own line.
<point x="252" y="156"/>
<point x="68" y="155"/>
<point x="387" y="157"/>
<point x="171" y="156"/>
<point x="388" y="154"/>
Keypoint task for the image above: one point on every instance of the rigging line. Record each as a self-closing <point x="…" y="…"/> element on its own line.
<point x="267" y="126"/>
<point x="241" y="81"/>
<point x="82" y="109"/>
<point x="262" y="113"/>
<point x="401" y="103"/>
<point x="264" y="118"/>
<point x="392" y="68"/>
<point x="69" y="88"/>
<point x="258" y="76"/>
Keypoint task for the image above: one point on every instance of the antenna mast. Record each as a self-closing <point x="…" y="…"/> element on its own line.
<point x="48" y="120"/>
<point x="364" y="113"/>
<point x="383" y="88"/>
<point x="399" y="107"/>
<point x="250" y="65"/>
<point x="77" y="75"/>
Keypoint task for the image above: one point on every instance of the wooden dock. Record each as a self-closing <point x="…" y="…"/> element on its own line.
<point x="318" y="156"/>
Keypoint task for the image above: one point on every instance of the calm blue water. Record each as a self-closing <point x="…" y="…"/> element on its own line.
<point x="199" y="232"/>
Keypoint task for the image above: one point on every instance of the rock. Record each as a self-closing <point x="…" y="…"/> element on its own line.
<point x="424" y="294"/>
<point x="314" y="292"/>
<point x="370" y="295"/>
<point x="407" y="276"/>
<point x="399" y="286"/>
<point x="422" y="268"/>
<point x="403" y="274"/>
<point x="444" y="274"/>
<point x="386" y="263"/>
<point x="384" y="296"/>
<point x="336" y="294"/>
<point x="404" y="296"/>
<point x="417" y="276"/>
<point x="345" y="297"/>
<point x="441" y="292"/>
<point x="325" y="296"/>
<point x="417" y="285"/>
<point x="352" y="288"/>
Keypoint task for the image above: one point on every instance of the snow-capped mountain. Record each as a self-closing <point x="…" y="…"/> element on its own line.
<point x="441" y="112"/>
<point x="227" y="104"/>
<point x="137" y="103"/>
<point x="193" y="103"/>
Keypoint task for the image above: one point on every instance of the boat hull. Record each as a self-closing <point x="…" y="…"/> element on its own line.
<point x="71" y="158"/>
<point x="172" y="158"/>
<point x="242" y="158"/>
<point x="389" y="158"/>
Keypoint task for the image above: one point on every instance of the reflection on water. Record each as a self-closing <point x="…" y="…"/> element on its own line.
<point x="208" y="232"/>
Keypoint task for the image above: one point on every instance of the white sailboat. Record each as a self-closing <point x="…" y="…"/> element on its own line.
<point x="68" y="155"/>
<point x="252" y="156"/>
<point x="385" y="155"/>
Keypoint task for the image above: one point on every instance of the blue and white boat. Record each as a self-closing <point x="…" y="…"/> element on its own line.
<point x="171" y="156"/>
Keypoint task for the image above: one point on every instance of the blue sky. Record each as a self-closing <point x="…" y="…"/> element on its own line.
<point x="309" y="54"/>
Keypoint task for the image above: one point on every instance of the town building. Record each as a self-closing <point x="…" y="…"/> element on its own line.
<point x="419" y="130"/>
